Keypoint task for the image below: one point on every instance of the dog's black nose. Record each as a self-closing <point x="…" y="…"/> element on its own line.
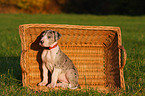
<point x="41" y="42"/>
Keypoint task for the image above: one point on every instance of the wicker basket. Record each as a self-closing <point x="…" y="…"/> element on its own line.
<point x="95" y="51"/>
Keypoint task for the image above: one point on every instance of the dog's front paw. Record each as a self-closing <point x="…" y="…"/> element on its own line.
<point x="42" y="83"/>
<point x="51" y="85"/>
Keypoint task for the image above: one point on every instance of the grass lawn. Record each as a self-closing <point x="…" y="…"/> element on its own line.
<point x="133" y="39"/>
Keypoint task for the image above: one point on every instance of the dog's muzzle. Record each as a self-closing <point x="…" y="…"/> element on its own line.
<point x="41" y="42"/>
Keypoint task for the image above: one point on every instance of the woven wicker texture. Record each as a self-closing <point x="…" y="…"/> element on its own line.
<point x="94" y="50"/>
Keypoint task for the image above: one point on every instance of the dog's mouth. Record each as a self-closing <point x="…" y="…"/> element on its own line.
<point x="40" y="44"/>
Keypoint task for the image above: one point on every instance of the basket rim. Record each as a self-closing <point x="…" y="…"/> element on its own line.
<point x="81" y="27"/>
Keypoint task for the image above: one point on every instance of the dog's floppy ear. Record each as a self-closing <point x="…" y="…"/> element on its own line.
<point x="57" y="35"/>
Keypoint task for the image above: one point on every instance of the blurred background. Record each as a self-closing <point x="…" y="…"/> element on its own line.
<point x="129" y="15"/>
<point x="98" y="7"/>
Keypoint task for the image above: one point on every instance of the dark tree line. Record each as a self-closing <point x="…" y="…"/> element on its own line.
<point x="105" y="7"/>
<point x="99" y="7"/>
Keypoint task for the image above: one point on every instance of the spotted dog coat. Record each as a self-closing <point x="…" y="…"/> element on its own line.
<point x="54" y="60"/>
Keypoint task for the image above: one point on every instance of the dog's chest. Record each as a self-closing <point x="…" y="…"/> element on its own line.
<point x="48" y="56"/>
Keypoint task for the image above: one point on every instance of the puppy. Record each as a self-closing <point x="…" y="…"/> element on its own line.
<point x="54" y="60"/>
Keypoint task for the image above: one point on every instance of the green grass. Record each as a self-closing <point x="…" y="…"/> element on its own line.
<point x="133" y="39"/>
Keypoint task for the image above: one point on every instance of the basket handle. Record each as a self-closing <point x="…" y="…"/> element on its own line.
<point x="125" y="56"/>
<point x="21" y="64"/>
<point x="22" y="68"/>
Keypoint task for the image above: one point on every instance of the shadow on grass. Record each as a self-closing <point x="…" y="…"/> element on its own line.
<point x="11" y="65"/>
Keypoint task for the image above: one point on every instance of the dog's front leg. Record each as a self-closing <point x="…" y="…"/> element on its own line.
<point x="45" y="75"/>
<point x="54" y="78"/>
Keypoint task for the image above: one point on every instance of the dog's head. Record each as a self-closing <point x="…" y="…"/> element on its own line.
<point x="49" y="37"/>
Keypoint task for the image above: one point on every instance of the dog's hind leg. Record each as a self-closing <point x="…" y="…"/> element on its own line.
<point x="72" y="77"/>
<point x="63" y="85"/>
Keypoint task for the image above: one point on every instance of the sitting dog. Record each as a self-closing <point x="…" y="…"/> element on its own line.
<point x="54" y="60"/>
